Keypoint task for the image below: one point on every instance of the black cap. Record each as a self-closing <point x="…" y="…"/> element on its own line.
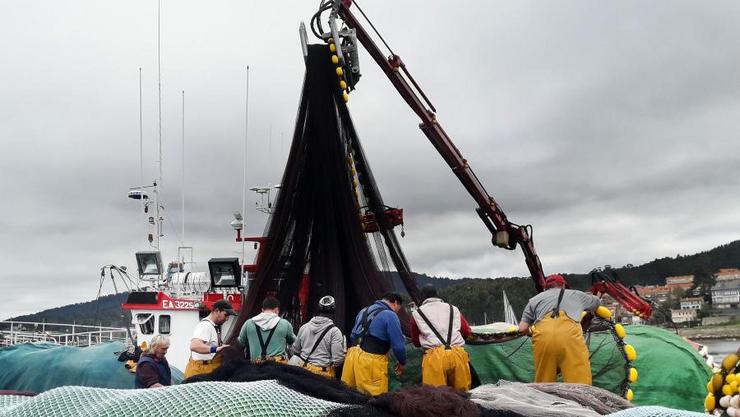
<point x="225" y="306"/>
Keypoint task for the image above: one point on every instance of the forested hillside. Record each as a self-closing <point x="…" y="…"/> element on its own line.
<point x="702" y="265"/>
<point x="474" y="296"/>
<point x="105" y="312"/>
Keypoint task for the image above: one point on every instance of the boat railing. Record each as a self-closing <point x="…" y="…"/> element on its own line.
<point x="15" y="332"/>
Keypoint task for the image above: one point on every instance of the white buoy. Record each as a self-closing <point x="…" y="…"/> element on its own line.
<point x="724" y="402"/>
<point x="735" y="401"/>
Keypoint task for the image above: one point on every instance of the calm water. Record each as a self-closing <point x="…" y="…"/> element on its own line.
<point x="721" y="347"/>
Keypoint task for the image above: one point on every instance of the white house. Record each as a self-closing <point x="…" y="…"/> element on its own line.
<point x="726" y="294"/>
<point x="683" y="315"/>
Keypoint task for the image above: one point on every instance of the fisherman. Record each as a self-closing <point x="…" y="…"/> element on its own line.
<point x="152" y="370"/>
<point x="319" y="345"/>
<point x="552" y="318"/>
<point x="266" y="335"/>
<point x="206" y="344"/>
<point x="440" y="330"/>
<point x="377" y="330"/>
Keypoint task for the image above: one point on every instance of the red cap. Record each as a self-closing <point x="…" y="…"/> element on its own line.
<point x="555" y="279"/>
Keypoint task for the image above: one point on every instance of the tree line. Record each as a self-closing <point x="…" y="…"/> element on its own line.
<point x="478" y="298"/>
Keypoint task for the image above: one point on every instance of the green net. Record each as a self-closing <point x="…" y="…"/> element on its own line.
<point x="39" y="367"/>
<point x="672" y="373"/>
<point x="253" y="399"/>
<point x="512" y="361"/>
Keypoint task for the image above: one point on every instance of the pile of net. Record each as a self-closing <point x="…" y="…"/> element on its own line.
<point x="261" y="398"/>
<point x="548" y="400"/>
<point x="655" y="411"/>
<point x="240" y="388"/>
<point x="38" y="367"/>
<point x="270" y="398"/>
<point x="329" y="233"/>
<point x="502" y="399"/>
<point x="672" y="372"/>
<point x="511" y="360"/>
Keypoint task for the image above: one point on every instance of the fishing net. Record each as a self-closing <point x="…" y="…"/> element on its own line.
<point x="252" y="399"/>
<point x="654" y="411"/>
<point x="296" y="378"/>
<point x="511" y="360"/>
<point x="597" y="399"/>
<point x="38" y="367"/>
<point x="330" y="231"/>
<point x="7" y="401"/>
<point x="672" y="372"/>
<point x="528" y="401"/>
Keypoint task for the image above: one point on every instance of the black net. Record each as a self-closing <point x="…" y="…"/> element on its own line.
<point x="330" y="232"/>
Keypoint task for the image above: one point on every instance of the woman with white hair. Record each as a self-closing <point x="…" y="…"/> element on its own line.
<point x="152" y="370"/>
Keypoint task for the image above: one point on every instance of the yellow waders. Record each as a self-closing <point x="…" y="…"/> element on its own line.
<point x="318" y="370"/>
<point x="278" y="359"/>
<point x="195" y="367"/>
<point x="441" y="367"/>
<point x="348" y="370"/>
<point x="558" y="344"/>
<point x="366" y="372"/>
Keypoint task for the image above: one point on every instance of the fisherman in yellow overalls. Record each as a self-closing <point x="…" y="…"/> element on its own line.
<point x="206" y="344"/>
<point x="376" y="332"/>
<point x="552" y="317"/>
<point x="319" y="345"/>
<point x="440" y="330"/>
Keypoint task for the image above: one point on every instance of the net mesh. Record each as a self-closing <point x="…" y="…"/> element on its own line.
<point x="7" y="401"/>
<point x="254" y="399"/>
<point x="655" y="411"/>
<point x="318" y="237"/>
<point x="511" y="360"/>
<point x="528" y="401"/>
<point x="672" y="372"/>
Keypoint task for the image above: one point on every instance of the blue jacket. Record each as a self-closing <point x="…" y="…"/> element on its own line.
<point x="385" y="325"/>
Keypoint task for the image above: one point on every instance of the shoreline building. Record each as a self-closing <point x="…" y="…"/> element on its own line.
<point x="726" y="295"/>
<point x="689" y="310"/>
<point x="684" y="282"/>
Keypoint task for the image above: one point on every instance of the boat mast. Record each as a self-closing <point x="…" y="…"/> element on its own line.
<point x="183" y="171"/>
<point x="158" y="189"/>
<point x="141" y="153"/>
<point x="244" y="183"/>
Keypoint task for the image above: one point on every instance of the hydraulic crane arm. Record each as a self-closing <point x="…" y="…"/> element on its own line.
<point x="602" y="282"/>
<point x="505" y="233"/>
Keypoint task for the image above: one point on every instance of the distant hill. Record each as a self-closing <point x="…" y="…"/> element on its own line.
<point x="476" y="297"/>
<point x="655" y="272"/>
<point x="108" y="309"/>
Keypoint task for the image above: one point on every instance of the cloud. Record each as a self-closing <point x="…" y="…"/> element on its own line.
<point x="610" y="128"/>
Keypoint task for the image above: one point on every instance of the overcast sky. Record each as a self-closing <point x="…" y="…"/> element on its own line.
<point x="611" y="127"/>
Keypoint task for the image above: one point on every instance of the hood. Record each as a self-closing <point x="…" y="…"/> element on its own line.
<point x="319" y="323"/>
<point x="266" y="321"/>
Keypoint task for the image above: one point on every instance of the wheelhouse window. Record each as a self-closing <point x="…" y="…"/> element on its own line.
<point x="146" y="323"/>
<point x="164" y="324"/>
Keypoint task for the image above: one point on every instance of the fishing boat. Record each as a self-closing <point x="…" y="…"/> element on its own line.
<point x="336" y="237"/>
